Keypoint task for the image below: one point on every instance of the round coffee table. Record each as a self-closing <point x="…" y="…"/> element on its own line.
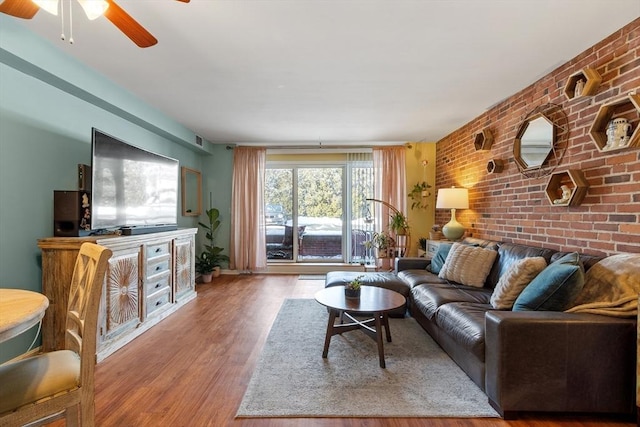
<point x="373" y="300"/>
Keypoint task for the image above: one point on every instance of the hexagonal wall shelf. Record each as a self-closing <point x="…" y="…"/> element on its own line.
<point x="483" y="140"/>
<point x="590" y="81"/>
<point x="566" y="188"/>
<point x="627" y="107"/>
<point x="495" y="166"/>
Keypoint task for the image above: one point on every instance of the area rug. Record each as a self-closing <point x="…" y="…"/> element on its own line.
<point x="292" y="379"/>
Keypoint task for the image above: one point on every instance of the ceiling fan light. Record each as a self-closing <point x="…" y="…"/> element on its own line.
<point x="50" y="6"/>
<point x="93" y="8"/>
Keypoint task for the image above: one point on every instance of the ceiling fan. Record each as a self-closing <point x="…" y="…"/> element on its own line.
<point x="26" y="9"/>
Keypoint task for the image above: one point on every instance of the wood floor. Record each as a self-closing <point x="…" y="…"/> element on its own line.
<point x="192" y="369"/>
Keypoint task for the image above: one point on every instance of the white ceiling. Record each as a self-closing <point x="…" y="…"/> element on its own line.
<point x="336" y="71"/>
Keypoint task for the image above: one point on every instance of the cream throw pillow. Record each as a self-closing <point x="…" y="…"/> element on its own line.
<point x="514" y="280"/>
<point x="468" y="265"/>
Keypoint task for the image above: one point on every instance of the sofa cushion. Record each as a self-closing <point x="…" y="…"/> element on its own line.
<point x="439" y="258"/>
<point x="468" y="265"/>
<point x="464" y="323"/>
<point x="418" y="277"/>
<point x="519" y="274"/>
<point x="508" y="253"/>
<point x="430" y="297"/>
<point x="555" y="288"/>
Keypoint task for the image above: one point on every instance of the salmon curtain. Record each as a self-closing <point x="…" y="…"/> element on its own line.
<point x="248" y="245"/>
<point x="390" y="186"/>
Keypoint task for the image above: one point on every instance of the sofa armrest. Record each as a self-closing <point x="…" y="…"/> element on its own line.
<point x="554" y="361"/>
<point x="411" y="263"/>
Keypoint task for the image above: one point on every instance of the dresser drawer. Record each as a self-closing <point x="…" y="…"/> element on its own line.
<point x="158" y="250"/>
<point x="158" y="300"/>
<point x="158" y="267"/>
<point x="158" y="283"/>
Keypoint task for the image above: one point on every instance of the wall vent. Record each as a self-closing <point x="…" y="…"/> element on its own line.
<point x="198" y="141"/>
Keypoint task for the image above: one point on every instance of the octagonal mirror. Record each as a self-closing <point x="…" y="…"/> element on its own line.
<point x="534" y="142"/>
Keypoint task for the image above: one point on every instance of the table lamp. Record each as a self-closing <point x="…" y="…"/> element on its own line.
<point x="453" y="198"/>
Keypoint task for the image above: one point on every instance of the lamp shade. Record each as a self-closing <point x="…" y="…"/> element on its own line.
<point x="452" y="198"/>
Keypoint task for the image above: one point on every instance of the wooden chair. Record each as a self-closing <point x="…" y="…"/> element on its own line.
<point x="47" y="386"/>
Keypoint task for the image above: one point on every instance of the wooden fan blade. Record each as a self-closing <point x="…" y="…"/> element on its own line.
<point x="19" y="8"/>
<point x="129" y="26"/>
<point x="185" y="1"/>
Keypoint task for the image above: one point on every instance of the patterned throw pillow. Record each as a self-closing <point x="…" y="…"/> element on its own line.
<point x="514" y="280"/>
<point x="468" y="265"/>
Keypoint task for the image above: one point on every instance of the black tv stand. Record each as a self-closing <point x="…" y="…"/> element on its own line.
<point x="146" y="229"/>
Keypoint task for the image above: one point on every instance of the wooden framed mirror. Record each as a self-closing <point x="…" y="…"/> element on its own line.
<point x="541" y="141"/>
<point x="191" y="192"/>
<point x="534" y="142"/>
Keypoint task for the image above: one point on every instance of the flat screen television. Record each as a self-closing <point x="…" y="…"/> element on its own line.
<point x="132" y="189"/>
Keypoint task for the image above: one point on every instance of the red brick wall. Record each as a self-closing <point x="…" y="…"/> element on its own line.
<point x="511" y="207"/>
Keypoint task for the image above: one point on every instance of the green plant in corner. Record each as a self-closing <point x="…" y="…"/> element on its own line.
<point x="212" y="255"/>
<point x="419" y="195"/>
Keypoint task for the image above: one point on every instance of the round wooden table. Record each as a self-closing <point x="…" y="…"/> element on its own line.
<point x="373" y="300"/>
<point x="20" y="310"/>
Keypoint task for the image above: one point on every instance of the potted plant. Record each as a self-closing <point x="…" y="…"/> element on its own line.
<point x="435" y="233"/>
<point x="419" y="194"/>
<point x="422" y="246"/>
<point x="208" y="262"/>
<point x="383" y="243"/>
<point x="352" y="288"/>
<point x="399" y="224"/>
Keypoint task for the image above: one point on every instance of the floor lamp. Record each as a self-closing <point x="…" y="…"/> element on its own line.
<point x="453" y="198"/>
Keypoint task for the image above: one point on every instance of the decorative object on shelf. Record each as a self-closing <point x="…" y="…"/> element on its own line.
<point x="483" y="140"/>
<point x="419" y="195"/>
<point x="495" y="166"/>
<point x="209" y="261"/>
<point x="618" y="133"/>
<point x="436" y="233"/>
<point x="579" y="87"/>
<point x="541" y="141"/>
<point x="566" y="188"/>
<point x="617" y="124"/>
<point x="453" y="198"/>
<point x="582" y="83"/>
<point x="566" y="195"/>
<point x="352" y="288"/>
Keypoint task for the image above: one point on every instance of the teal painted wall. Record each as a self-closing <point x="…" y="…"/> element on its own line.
<point x="48" y="104"/>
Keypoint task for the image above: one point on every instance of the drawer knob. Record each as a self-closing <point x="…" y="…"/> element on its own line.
<point x="158" y="268"/>
<point x="158" y="250"/>
<point x="158" y="303"/>
<point x="157" y="285"/>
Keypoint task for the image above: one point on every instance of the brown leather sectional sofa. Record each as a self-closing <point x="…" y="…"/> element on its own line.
<point x="526" y="360"/>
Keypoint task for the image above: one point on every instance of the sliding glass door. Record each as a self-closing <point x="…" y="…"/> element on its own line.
<point x="318" y="212"/>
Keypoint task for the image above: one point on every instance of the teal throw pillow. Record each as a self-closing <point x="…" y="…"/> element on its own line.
<point x="439" y="258"/>
<point x="555" y="288"/>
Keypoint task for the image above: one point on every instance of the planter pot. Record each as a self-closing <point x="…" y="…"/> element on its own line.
<point x="351" y="293"/>
<point x="216" y="272"/>
<point x="206" y="278"/>
<point x="422" y="253"/>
